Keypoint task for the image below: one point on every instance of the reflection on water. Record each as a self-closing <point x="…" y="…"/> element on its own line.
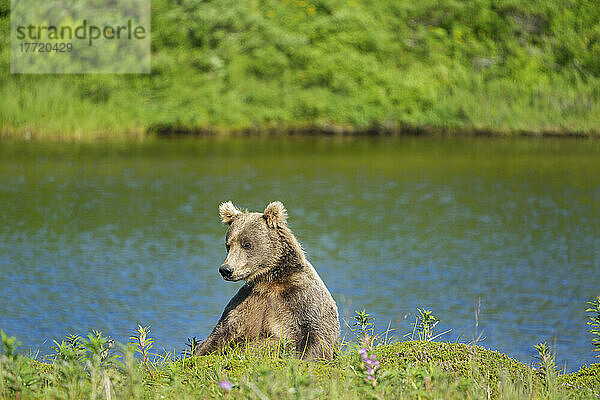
<point x="108" y="235"/>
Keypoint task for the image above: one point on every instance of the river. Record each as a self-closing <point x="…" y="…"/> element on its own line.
<point x="108" y="235"/>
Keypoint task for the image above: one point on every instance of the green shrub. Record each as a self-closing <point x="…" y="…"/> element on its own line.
<point x="333" y="65"/>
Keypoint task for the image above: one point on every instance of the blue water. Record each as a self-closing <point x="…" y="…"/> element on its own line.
<point x="105" y="236"/>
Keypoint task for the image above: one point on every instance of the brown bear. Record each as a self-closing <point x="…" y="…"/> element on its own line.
<point x="283" y="296"/>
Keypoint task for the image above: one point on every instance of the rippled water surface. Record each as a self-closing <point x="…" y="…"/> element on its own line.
<point x="108" y="235"/>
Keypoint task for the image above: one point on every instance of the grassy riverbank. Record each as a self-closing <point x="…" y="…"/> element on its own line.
<point x="411" y="370"/>
<point x="332" y="66"/>
<point x="372" y="365"/>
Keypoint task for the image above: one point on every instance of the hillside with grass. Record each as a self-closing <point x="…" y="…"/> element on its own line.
<point x="491" y="67"/>
<point x="95" y="368"/>
<point x="368" y="364"/>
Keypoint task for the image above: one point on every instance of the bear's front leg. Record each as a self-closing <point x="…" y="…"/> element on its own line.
<point x="231" y="325"/>
<point x="219" y="337"/>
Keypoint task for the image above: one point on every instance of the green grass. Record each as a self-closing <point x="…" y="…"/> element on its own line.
<point x="586" y="379"/>
<point x="483" y="67"/>
<point x="407" y="370"/>
<point x="371" y="366"/>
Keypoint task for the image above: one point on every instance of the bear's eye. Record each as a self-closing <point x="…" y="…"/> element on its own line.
<point x="227" y="246"/>
<point x="246" y="245"/>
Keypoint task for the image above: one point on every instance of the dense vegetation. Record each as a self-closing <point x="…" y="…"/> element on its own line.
<point x="504" y="67"/>
<point x="414" y="369"/>
<point x="372" y="365"/>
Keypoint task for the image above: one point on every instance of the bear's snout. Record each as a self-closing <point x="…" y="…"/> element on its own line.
<point x="226" y="271"/>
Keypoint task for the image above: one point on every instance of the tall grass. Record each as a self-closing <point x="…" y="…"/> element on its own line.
<point x="503" y="67"/>
<point x="370" y="364"/>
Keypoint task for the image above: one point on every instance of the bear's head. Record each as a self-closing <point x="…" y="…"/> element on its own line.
<point x="260" y="246"/>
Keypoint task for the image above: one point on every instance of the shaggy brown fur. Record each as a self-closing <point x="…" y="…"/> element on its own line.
<point x="283" y="296"/>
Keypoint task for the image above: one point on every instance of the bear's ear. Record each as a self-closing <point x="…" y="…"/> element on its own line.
<point x="228" y="212"/>
<point x="275" y="214"/>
